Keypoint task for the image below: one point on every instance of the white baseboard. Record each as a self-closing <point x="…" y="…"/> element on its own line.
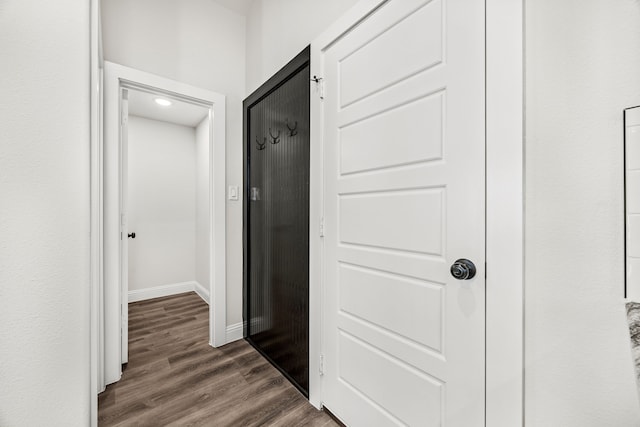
<point x="202" y="292"/>
<point x="234" y="332"/>
<point x="167" y="290"/>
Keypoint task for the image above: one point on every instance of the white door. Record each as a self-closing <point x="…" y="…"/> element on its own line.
<point x="404" y="183"/>
<point x="124" y="229"/>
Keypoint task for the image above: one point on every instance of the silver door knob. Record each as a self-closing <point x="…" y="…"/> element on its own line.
<point x="463" y="269"/>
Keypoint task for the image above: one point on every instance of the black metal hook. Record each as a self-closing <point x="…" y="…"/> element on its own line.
<point x="292" y="130"/>
<point x="259" y="146"/>
<point x="276" y="139"/>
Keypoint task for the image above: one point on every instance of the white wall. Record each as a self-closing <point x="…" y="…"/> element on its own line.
<point x="44" y="213"/>
<point x="277" y="30"/>
<point x="162" y="203"/>
<point x="203" y="44"/>
<point x="202" y="204"/>
<point x="582" y="69"/>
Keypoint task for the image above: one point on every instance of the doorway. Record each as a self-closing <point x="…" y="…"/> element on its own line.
<point x="164" y="198"/>
<point x="120" y="83"/>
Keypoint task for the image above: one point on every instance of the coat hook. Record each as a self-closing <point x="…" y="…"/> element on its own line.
<point x="259" y="146"/>
<point x="292" y="130"/>
<point x="276" y="139"/>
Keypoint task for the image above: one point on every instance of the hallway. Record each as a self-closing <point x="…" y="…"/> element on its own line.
<point x="175" y="378"/>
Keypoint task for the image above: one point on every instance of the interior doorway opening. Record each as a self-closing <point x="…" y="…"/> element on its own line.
<point x="164" y="198"/>
<point x="127" y="93"/>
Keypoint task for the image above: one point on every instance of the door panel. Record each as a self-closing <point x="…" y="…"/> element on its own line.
<point x="277" y="221"/>
<point x="407" y="47"/>
<point x="401" y="305"/>
<point x="388" y="141"/>
<point x="404" y="198"/>
<point x="368" y="219"/>
<point x="124" y="226"/>
<point x="423" y="395"/>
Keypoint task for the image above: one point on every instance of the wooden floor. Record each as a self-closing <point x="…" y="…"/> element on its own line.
<point x="174" y="378"/>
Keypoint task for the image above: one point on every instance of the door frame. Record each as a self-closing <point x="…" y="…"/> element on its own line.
<point x="504" y="85"/>
<point x="95" y="244"/>
<point x="115" y="77"/>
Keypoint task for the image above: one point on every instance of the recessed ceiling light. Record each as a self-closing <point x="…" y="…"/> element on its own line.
<point x="163" y="102"/>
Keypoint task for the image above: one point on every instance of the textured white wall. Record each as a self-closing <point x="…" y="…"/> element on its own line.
<point x="582" y="69"/>
<point x="277" y="30"/>
<point x="203" y="44"/>
<point x="202" y="204"/>
<point x="162" y="203"/>
<point x="44" y="213"/>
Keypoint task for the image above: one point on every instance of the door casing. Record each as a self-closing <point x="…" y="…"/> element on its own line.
<point x="113" y="298"/>
<point x="504" y="91"/>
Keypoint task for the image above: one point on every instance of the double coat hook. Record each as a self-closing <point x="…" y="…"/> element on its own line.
<point x="276" y="138"/>
<point x="292" y="130"/>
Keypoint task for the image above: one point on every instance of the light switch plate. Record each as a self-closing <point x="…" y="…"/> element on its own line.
<point x="233" y="192"/>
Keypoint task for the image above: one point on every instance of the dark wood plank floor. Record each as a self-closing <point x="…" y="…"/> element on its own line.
<point x="174" y="378"/>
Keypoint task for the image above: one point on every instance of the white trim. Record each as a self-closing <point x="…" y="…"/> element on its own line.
<point x="161" y="291"/>
<point x="316" y="243"/>
<point x="234" y="332"/>
<point x="505" y="213"/>
<point x="218" y="224"/>
<point x="96" y="381"/>
<point x="113" y="299"/>
<point x="316" y="202"/>
<point x="201" y="291"/>
<point x="124" y="222"/>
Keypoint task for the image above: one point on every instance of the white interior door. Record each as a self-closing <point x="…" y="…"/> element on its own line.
<point x="404" y="137"/>
<point x="124" y="229"/>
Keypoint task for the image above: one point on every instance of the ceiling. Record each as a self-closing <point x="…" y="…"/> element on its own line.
<point x="143" y="104"/>
<point x="239" y="6"/>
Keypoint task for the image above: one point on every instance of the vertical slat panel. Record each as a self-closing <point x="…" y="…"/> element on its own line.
<point x="278" y="227"/>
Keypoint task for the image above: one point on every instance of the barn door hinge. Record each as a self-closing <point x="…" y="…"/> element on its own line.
<point x="321" y="365"/>
<point x="319" y="81"/>
<point x="321" y="227"/>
